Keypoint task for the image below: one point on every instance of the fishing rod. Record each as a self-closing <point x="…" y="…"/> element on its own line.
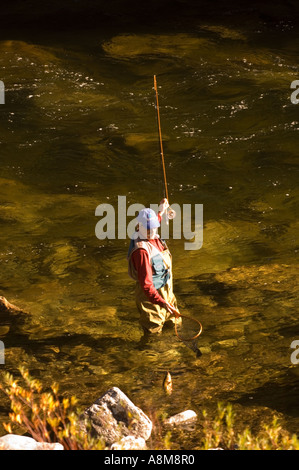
<point x="187" y="329"/>
<point x="171" y="213"/>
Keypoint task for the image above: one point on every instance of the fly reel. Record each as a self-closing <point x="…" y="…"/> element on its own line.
<point x="171" y="214"/>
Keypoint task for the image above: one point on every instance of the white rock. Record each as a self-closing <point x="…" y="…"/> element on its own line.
<point x="16" y="442"/>
<point x="130" y="443"/>
<point x="185" y="417"/>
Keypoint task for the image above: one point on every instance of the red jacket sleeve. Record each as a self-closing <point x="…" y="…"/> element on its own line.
<point x="140" y="259"/>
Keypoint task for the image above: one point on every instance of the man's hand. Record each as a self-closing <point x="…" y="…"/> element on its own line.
<point x="171" y="309"/>
<point x="163" y="206"/>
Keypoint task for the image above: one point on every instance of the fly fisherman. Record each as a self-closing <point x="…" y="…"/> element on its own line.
<point x="151" y="267"/>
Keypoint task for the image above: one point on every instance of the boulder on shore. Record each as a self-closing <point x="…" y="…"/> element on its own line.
<point x="113" y="416"/>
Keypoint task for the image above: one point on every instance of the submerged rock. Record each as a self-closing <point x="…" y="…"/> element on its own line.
<point x="227" y="343"/>
<point x="142" y="141"/>
<point x="130" y="46"/>
<point x="33" y="52"/>
<point x="225" y="32"/>
<point x="271" y="277"/>
<point x="113" y="416"/>
<point x="63" y="257"/>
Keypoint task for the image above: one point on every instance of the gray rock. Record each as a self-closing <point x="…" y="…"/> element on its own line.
<point x="113" y="416"/>
<point x="15" y="442"/>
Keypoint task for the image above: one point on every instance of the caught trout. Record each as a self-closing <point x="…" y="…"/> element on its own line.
<point x="167" y="384"/>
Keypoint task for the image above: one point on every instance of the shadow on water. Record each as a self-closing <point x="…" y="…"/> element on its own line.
<point x="68" y="340"/>
<point x="18" y="21"/>
<point x="281" y="396"/>
<point x="217" y="290"/>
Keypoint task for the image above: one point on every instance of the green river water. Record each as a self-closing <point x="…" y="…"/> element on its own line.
<point x="78" y="129"/>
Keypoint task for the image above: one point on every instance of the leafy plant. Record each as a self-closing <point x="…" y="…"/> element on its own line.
<point x="45" y="415"/>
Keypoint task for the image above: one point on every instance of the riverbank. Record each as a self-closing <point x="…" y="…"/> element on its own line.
<point x="113" y="422"/>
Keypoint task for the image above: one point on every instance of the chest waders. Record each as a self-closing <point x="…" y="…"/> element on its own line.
<point x="152" y="316"/>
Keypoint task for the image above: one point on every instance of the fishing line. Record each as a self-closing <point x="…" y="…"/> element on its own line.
<point x="171" y="213"/>
<point x="186" y="328"/>
<point x="160" y="137"/>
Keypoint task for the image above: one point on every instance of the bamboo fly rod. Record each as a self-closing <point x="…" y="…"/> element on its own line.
<point x="171" y="212"/>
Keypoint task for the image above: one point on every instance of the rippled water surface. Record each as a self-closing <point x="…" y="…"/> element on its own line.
<point x="79" y="129"/>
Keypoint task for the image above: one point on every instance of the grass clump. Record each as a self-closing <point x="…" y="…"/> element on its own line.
<point x="45" y="415"/>
<point x="221" y="433"/>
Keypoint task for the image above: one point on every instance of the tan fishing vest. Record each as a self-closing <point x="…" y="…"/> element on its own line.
<point x="161" y="261"/>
